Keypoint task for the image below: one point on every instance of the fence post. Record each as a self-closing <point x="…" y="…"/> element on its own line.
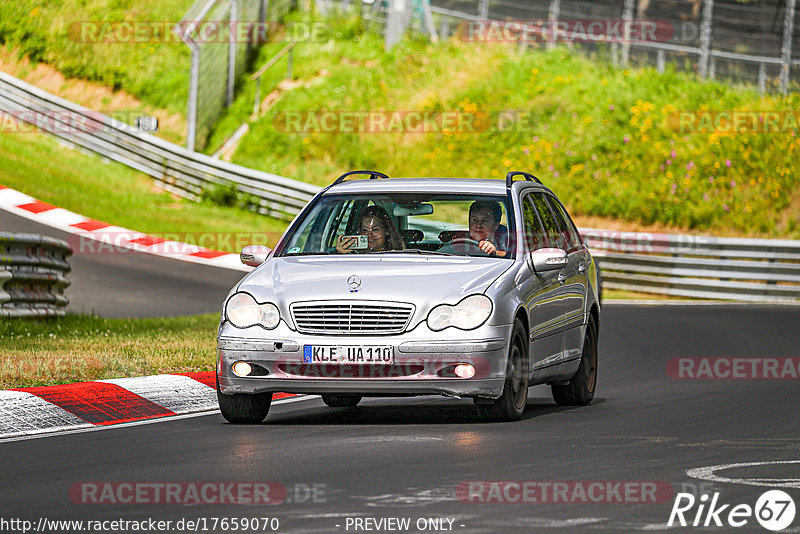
<point x="194" y="88"/>
<point x="627" y="18"/>
<point x="483" y="10"/>
<point x="705" y="37"/>
<point x="786" y="49"/>
<point x="555" y="13"/>
<point x="660" y="61"/>
<point x="232" y="21"/>
<point x="395" y="22"/>
<point x="762" y="78"/>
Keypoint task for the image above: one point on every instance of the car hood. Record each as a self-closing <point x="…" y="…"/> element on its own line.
<point x="419" y="280"/>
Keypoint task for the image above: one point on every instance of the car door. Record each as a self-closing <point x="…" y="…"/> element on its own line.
<point x="575" y="280"/>
<point x="544" y="297"/>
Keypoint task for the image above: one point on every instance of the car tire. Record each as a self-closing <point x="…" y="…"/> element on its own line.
<point x="511" y="404"/>
<point x="243" y="408"/>
<point x="340" y="401"/>
<point x="581" y="387"/>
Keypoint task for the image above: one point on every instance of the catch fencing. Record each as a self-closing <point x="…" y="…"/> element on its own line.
<point x="33" y="271"/>
<point x="755" y="42"/>
<point x="218" y="63"/>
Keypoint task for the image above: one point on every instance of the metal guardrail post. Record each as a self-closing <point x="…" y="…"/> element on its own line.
<point x="660" y="61"/>
<point x="627" y="18"/>
<point x="786" y="49"/>
<point x="762" y="78"/>
<point x="705" y="37"/>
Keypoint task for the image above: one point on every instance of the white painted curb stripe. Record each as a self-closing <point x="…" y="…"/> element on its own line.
<point x="64" y="220"/>
<point x="23" y="413"/>
<point x="180" y="394"/>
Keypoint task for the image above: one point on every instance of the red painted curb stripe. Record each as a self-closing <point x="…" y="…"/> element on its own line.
<point x="209" y="378"/>
<point x="37" y="206"/>
<point x="99" y="403"/>
<point x="147" y="241"/>
<point x="91" y="225"/>
<point x="209" y="254"/>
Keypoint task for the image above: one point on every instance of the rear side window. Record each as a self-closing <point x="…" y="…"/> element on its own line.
<point x="534" y="235"/>
<point x="552" y="230"/>
<point x="571" y="235"/>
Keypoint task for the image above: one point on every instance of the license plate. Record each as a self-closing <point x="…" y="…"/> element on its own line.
<point x="357" y="354"/>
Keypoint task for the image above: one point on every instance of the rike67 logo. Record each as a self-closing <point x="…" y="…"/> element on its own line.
<point x="774" y="510"/>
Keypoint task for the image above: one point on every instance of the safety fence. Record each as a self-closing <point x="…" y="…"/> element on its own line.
<point x="175" y="169"/>
<point x="238" y="27"/>
<point x="754" y="42"/>
<point x="698" y="266"/>
<point x="33" y="272"/>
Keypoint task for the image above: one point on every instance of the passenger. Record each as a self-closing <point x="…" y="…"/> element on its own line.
<point x="484" y="221"/>
<point x="381" y="233"/>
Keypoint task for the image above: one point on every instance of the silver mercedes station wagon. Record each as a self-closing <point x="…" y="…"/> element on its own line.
<point x="415" y="286"/>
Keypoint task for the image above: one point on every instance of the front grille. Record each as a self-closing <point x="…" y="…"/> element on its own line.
<point x="347" y="317"/>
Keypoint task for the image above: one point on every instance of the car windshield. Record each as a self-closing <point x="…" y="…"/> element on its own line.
<point x="396" y="223"/>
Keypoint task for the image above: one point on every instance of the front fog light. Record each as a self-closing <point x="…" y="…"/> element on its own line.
<point x="464" y="370"/>
<point x="241" y="369"/>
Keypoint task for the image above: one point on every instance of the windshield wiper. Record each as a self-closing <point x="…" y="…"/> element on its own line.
<point x="416" y="251"/>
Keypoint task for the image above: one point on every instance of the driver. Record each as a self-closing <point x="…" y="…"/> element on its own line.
<point x="484" y="219"/>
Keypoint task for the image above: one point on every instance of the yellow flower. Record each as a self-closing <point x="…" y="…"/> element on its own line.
<point x="534" y="71"/>
<point x="306" y="140"/>
<point x="506" y="162"/>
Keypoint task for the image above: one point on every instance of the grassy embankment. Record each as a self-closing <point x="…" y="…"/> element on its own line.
<point x="606" y="140"/>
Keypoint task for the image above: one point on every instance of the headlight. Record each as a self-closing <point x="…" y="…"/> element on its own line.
<point x="470" y="313"/>
<point x="243" y="311"/>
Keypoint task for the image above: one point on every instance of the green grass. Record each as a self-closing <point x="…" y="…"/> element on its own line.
<point x="157" y="72"/>
<point x="600" y="137"/>
<point x="111" y="192"/>
<point x="79" y="348"/>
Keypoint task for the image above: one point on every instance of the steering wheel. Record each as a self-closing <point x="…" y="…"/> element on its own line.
<point x="463" y="245"/>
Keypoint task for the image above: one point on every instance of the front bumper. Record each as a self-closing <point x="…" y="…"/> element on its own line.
<point x="417" y="368"/>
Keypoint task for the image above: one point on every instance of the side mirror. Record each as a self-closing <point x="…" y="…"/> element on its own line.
<point x="254" y="255"/>
<point x="548" y="259"/>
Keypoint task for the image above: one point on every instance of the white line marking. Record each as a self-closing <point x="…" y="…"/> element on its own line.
<point x="708" y="473"/>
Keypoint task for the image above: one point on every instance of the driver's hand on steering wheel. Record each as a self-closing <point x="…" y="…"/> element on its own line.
<point x="487" y="247"/>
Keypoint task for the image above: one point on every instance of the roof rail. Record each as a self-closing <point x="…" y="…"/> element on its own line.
<point x="528" y="176"/>
<point x="372" y="174"/>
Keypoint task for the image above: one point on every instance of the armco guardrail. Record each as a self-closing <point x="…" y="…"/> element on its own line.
<point x="698" y="266"/>
<point x="33" y="272"/>
<point x="175" y="168"/>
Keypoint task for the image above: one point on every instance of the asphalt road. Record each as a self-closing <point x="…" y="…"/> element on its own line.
<point x="134" y="284"/>
<point x="405" y="458"/>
